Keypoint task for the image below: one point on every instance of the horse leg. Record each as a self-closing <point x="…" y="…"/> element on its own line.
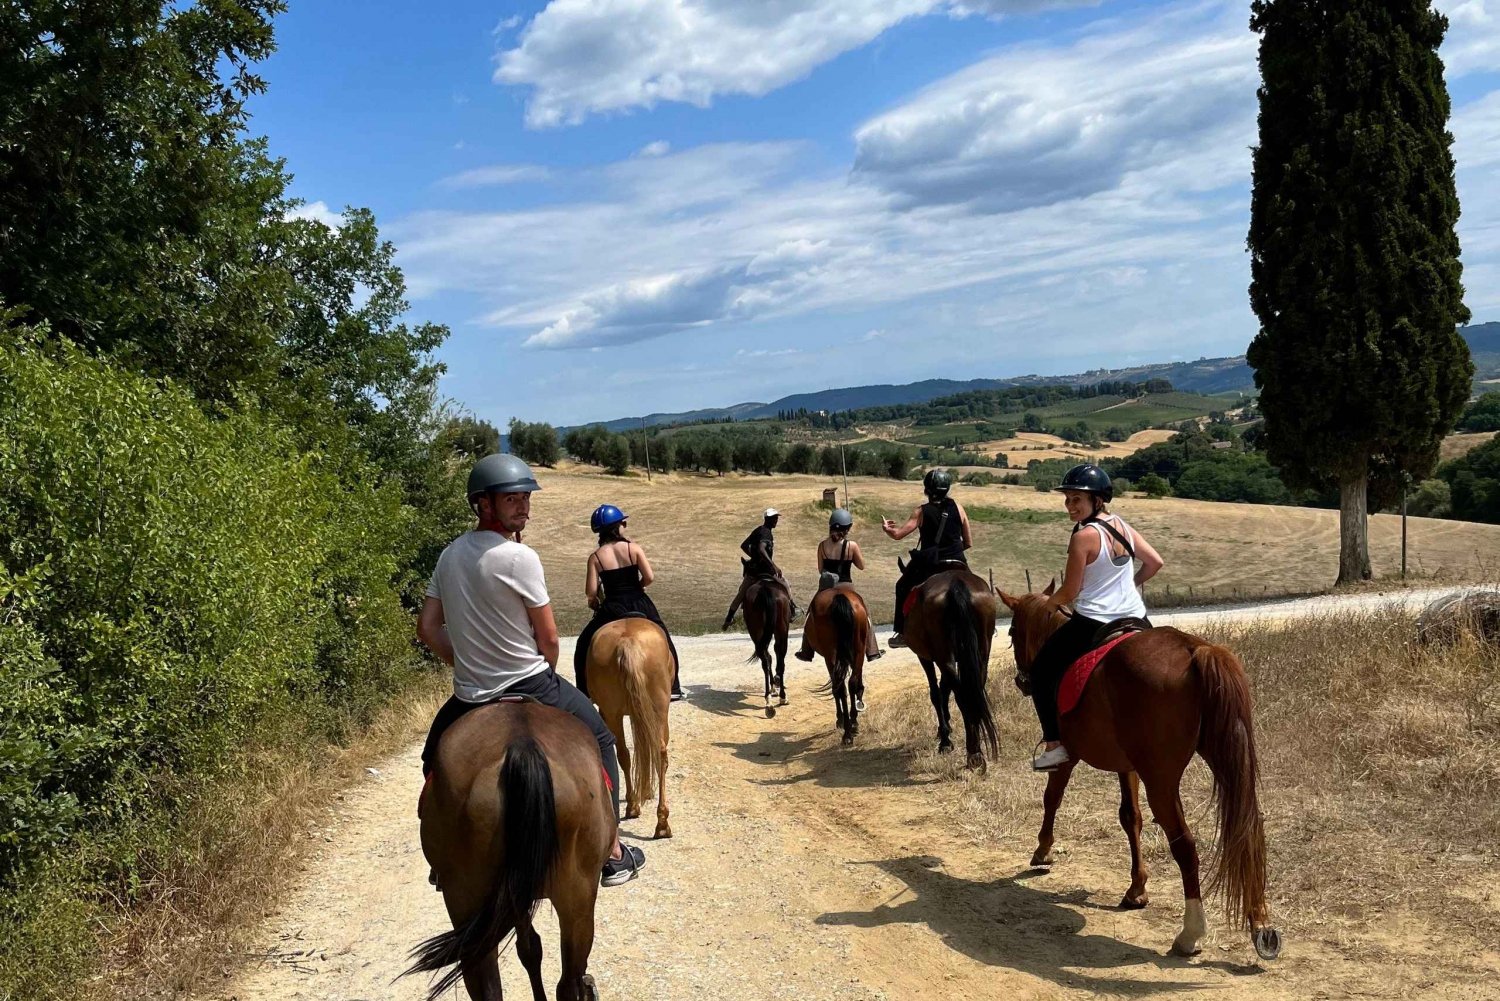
<point x="663" y="827"/>
<point x="1130" y="819"/>
<point x="463" y="896"/>
<point x="781" y="662"/>
<point x="940" y="706"/>
<point x="1166" y="803"/>
<point x="529" y="952"/>
<point x="1057" y="784"/>
<point x="973" y="753"/>
<point x="858" y="685"/>
<point x="765" y="669"/>
<point x="482" y="978"/>
<point x="616" y="723"/>
<point x="575" y="921"/>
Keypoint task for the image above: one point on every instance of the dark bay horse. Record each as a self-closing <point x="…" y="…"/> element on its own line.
<point x="768" y="616"/>
<point x="949" y="628"/>
<point x="517" y="809"/>
<point x="1152" y="702"/>
<point x="630" y="670"/>
<point x="838" y="625"/>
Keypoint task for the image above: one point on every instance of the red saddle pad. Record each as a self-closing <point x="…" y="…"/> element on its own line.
<point x="1077" y="676"/>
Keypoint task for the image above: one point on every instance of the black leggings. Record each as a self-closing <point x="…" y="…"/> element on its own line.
<point x="550" y="690"/>
<point x="918" y="572"/>
<point x="1072" y="640"/>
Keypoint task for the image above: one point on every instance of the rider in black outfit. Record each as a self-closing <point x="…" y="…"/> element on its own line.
<point x="760" y="547"/>
<point x="944" y="537"/>
<point x="623" y="590"/>
<point x="837" y="558"/>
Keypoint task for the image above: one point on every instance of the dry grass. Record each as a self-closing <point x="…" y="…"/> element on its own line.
<point x="691" y="527"/>
<point x="1457" y="445"/>
<point x="236" y="852"/>
<point x="1029" y="446"/>
<point x="1380" y="782"/>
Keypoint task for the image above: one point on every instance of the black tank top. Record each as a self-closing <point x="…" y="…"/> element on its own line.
<point x="621" y="580"/>
<point x="841" y="567"/>
<point x="951" y="545"/>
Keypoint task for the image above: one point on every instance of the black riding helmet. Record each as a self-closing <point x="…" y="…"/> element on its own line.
<point x="1089" y="479"/>
<point x="937" y="483"/>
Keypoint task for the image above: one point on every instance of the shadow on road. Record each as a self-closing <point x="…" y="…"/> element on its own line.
<point x="1007" y="923"/>
<point x="830" y="767"/>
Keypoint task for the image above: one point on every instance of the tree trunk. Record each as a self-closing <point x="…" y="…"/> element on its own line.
<point x="1354" y="530"/>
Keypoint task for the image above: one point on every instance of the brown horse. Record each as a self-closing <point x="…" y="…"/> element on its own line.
<point x="1153" y="701"/>
<point x="630" y="674"/>
<point x="949" y="628"/>
<point x="768" y="616"/>
<point x="517" y="809"/>
<point x="837" y="628"/>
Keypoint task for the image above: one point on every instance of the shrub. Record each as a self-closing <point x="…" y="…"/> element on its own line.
<point x="1154" y="486"/>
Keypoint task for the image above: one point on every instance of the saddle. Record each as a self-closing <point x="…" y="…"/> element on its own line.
<point x="937" y="567"/>
<point x="1076" y="678"/>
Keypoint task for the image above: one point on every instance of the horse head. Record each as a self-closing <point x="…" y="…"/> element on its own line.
<point x="1030" y="626"/>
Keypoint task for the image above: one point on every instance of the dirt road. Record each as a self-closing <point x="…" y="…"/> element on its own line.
<point x="801" y="870"/>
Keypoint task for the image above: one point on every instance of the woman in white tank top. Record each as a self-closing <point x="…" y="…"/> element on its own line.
<point x="1101" y="583"/>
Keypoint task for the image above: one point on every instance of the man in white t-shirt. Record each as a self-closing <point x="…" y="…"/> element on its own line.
<point x="487" y="614"/>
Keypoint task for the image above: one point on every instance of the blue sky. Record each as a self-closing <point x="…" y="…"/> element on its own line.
<point x="625" y="206"/>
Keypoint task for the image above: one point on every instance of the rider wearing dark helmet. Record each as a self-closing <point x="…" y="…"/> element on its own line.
<point x="488" y="615"/>
<point x="944" y="537"/>
<point x="615" y="586"/>
<point x="837" y="556"/>
<point x="1100" y="582"/>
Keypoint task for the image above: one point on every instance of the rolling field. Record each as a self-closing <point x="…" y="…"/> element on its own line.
<point x="691" y="527"/>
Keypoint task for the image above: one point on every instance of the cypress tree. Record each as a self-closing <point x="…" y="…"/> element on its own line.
<point x="1354" y="257"/>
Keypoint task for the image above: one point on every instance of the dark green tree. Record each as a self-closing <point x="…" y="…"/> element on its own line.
<point x="1354" y="256"/>
<point x="1483" y="414"/>
<point x="469" y="436"/>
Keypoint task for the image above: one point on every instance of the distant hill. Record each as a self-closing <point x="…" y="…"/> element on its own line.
<point x="1206" y="375"/>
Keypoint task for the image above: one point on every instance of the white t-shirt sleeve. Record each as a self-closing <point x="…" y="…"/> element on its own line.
<point x="524" y="577"/>
<point x="434" y="590"/>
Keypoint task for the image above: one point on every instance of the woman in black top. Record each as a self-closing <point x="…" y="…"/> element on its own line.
<point x="837" y="556"/>
<point x="944" y="537"/>
<point x="618" y="575"/>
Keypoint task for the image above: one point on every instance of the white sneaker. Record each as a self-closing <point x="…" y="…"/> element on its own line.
<point x="1050" y="761"/>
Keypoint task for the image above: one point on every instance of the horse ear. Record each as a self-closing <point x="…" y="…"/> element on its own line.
<point x="1051" y="586"/>
<point x="1010" y="603"/>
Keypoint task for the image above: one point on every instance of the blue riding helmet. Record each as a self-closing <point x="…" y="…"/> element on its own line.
<point x="605" y="515"/>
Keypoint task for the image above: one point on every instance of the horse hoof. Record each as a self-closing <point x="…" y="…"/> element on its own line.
<point x="1185" y="949"/>
<point x="1129" y="903"/>
<point x="632" y="812"/>
<point x="663" y="831"/>
<point x="945" y="748"/>
<point x="1267" y="942"/>
<point x="848" y="740"/>
<point x="1043" y="857"/>
<point x="977" y="763"/>
<point x="590" y="991"/>
<point x="770" y="712"/>
<point x="859" y="705"/>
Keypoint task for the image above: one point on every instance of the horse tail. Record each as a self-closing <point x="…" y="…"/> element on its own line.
<point x="765" y="603"/>
<point x="646" y="723"/>
<point x="530" y="831"/>
<point x="968" y="657"/>
<point x="1226" y="740"/>
<point x="844" y="635"/>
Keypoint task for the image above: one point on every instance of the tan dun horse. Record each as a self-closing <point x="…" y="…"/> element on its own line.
<point x="768" y="616"/>
<point x="630" y="674"/>
<point x="837" y="628"/>
<point x="517" y="809"/>
<point x="949" y="628"/>
<point x="1151" y="703"/>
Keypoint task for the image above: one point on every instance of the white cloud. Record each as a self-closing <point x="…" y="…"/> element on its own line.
<point x="1036" y="126"/>
<point x="1473" y="41"/>
<point x="497" y="174"/>
<point x="317" y="211"/>
<point x="583" y="57"/>
<point x="659" y="148"/>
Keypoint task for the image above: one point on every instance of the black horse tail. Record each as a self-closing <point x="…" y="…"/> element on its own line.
<point x="844" y="629"/>
<point x="968" y="657"/>
<point x="530" y="846"/>
<point x="765" y="602"/>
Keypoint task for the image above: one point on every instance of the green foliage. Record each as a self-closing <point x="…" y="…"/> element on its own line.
<point x="1474" y="483"/>
<point x="800" y="458"/>
<point x="1432" y="499"/>
<point x="1154" y="486"/>
<point x="895" y="462"/>
<point x="1482" y="415"/>
<point x="468" y="436"/>
<point x="1354" y="255"/>
<point x="1014" y="516"/>
<point x="614" y="455"/>
<point x="535" y="443"/>
<point x="169" y="580"/>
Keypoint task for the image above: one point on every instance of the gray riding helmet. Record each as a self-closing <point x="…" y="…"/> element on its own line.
<point x="501" y="473"/>
<point x="840" y="519"/>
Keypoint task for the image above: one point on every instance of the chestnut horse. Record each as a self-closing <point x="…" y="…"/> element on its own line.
<point x="768" y="616"/>
<point x="837" y="628"/>
<point x="630" y="674"/>
<point x="1153" y="701"/>
<point x="517" y="809"/>
<point x="949" y="628"/>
